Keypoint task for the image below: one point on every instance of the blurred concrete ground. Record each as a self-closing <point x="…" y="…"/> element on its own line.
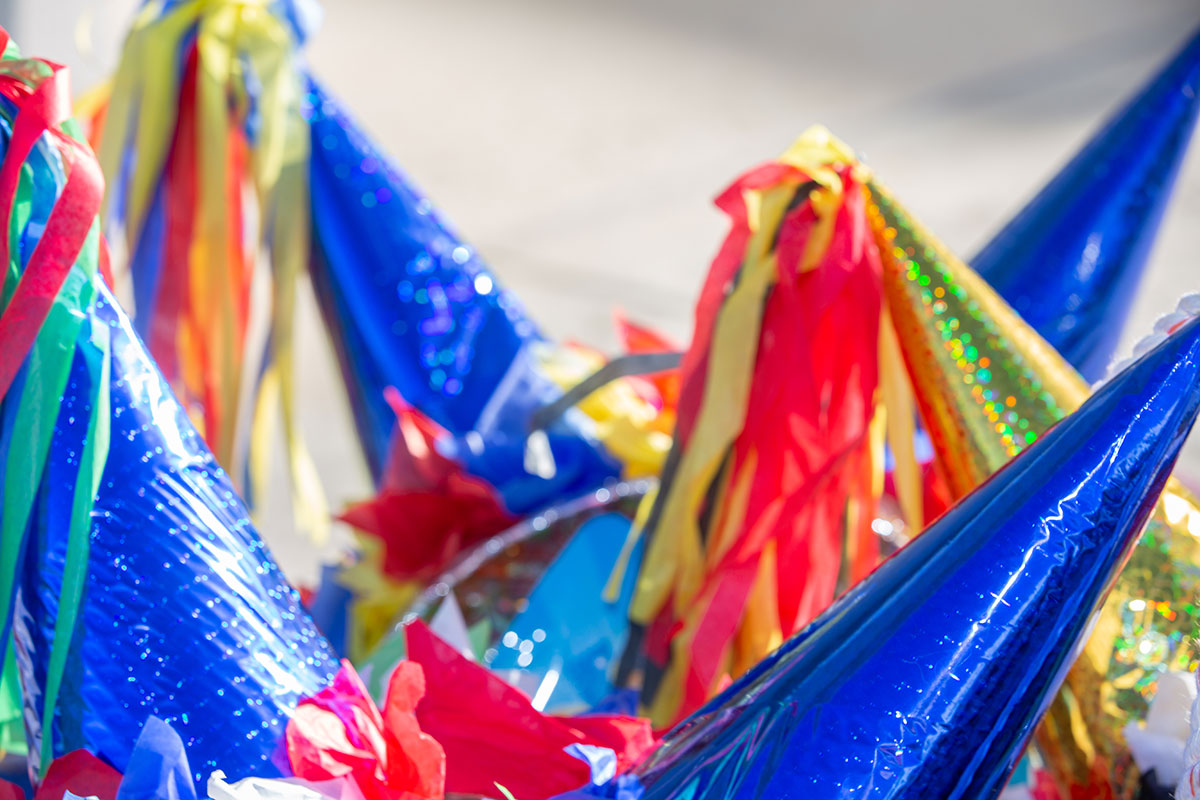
<point x="579" y="144"/>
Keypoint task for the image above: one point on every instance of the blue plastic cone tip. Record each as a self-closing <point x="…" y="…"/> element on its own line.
<point x="184" y="615"/>
<point x="928" y="677"/>
<point x="1070" y="261"/>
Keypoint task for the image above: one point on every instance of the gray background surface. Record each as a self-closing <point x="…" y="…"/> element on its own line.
<point x="578" y="144"/>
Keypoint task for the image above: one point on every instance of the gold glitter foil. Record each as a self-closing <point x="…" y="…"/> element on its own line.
<point x="987" y="386"/>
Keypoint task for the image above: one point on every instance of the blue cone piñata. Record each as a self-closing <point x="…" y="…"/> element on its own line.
<point x="133" y="583"/>
<point x="219" y="148"/>
<point x="412" y="306"/>
<point x="927" y="678"/>
<point x="184" y="615"/>
<point x="1069" y="262"/>
<point x="425" y="314"/>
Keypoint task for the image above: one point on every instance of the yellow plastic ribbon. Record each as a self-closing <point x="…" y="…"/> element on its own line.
<point x="233" y="37"/>
<point x="378" y="599"/>
<point x="631" y="429"/>
<point x="674" y="561"/>
<point x="147" y="74"/>
<point x="900" y="409"/>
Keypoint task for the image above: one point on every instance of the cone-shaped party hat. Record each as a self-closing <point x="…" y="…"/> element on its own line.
<point x="927" y="678"/>
<point x="988" y="386"/>
<point x="131" y="578"/>
<point x="183" y="614"/>
<point x="232" y="171"/>
<point x="1070" y="261"/>
<point x="411" y="306"/>
<point x="428" y="317"/>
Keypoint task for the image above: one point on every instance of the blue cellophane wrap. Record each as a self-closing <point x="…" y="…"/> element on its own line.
<point x="625" y="787"/>
<point x="430" y="316"/>
<point x="580" y="466"/>
<point x="330" y="608"/>
<point x="1069" y="262"/>
<point x="158" y="767"/>
<point x="410" y="305"/>
<point x="926" y="679"/>
<point x="565" y="642"/>
<point x="185" y="615"/>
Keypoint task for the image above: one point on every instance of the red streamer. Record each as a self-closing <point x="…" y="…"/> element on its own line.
<point x="41" y="110"/>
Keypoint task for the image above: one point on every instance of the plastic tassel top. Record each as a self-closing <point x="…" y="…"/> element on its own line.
<point x="778" y="452"/>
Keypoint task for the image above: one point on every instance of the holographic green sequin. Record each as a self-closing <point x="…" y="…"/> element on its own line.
<point x="980" y="378"/>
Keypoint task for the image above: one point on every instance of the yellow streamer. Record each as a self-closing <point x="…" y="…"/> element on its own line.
<point x="233" y="37"/>
<point x="674" y="561"/>
<point x="897" y="398"/>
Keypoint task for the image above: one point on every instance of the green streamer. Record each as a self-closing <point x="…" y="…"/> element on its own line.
<point x="38" y="395"/>
<point x="12" y="721"/>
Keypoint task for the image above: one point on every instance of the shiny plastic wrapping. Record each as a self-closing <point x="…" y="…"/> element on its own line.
<point x="1070" y="260"/>
<point x="185" y="615"/>
<point x="532" y="601"/>
<point x="927" y="679"/>
<point x="988" y="386"/>
<point x="412" y="306"/>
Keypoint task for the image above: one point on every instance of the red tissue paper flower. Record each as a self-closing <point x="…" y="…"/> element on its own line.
<point x="340" y="733"/>
<point x="428" y="509"/>
<point x="78" y="772"/>
<point x="493" y="735"/>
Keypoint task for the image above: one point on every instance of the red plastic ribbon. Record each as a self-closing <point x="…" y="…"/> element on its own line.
<point x="172" y="299"/>
<point x="42" y="110"/>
